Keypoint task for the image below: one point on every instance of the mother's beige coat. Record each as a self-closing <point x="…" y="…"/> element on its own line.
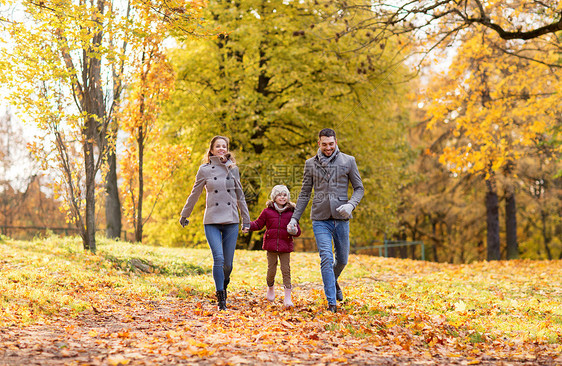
<point x="224" y="194"/>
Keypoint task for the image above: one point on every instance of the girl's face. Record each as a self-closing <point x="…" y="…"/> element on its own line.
<point x="281" y="199"/>
<point x="220" y="148"/>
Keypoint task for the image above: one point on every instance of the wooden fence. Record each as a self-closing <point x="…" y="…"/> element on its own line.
<point x="30" y="232"/>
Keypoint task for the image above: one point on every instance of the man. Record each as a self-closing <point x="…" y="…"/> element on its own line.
<point x="329" y="174"/>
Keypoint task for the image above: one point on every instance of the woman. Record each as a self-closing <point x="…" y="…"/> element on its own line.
<point x="220" y="176"/>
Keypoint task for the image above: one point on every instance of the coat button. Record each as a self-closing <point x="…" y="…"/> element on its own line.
<point x="228" y="203"/>
<point x="212" y="167"/>
<point x="215" y="178"/>
<point x="227" y="178"/>
<point x="216" y="191"/>
<point x="216" y="204"/>
<point x="228" y="190"/>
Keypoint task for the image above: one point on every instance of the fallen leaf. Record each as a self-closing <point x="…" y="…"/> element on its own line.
<point x="117" y="360"/>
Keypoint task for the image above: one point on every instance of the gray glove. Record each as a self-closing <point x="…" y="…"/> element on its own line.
<point x="345" y="210"/>
<point x="184" y="221"/>
<point x="292" y="227"/>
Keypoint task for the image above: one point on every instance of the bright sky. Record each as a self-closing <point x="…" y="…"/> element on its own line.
<point x="19" y="166"/>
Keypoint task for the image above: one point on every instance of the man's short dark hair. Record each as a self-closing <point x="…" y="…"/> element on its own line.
<point x="328" y="132"/>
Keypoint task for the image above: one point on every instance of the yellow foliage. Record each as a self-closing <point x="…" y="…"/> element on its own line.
<point x="68" y="61"/>
<point x="493" y="102"/>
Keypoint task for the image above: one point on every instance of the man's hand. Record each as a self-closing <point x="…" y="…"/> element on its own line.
<point x="345" y="210"/>
<point x="292" y="227"/>
<point x="184" y="221"/>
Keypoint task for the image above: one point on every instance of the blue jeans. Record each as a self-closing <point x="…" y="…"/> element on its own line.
<point x="222" y="241"/>
<point x="324" y="232"/>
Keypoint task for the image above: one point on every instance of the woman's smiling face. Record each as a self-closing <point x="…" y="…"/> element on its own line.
<point x="220" y="148"/>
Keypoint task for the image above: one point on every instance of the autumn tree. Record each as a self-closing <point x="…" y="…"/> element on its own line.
<point x="495" y="117"/>
<point x="435" y="206"/>
<point x="270" y="82"/>
<point x="59" y="83"/>
<point x="152" y="81"/>
<point x="445" y="210"/>
<point x="17" y="170"/>
<point x="439" y="23"/>
<point x="26" y="203"/>
<point x="65" y="65"/>
<point x="541" y="194"/>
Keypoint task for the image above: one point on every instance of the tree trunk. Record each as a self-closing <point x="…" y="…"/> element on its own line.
<point x="546" y="237"/>
<point x="112" y="202"/>
<point x="138" y="231"/>
<point x="480" y="248"/>
<point x="89" y="163"/>
<point x="492" y="221"/>
<point x="434" y="231"/>
<point x="414" y="238"/>
<point x="93" y="104"/>
<point x="511" y="227"/>
<point x="251" y="244"/>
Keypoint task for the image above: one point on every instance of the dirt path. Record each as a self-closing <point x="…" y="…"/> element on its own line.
<point x="193" y="332"/>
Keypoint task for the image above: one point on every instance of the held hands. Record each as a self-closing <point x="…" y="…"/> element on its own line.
<point x="184" y="221"/>
<point x="292" y="227"/>
<point x="245" y="229"/>
<point x="345" y="210"/>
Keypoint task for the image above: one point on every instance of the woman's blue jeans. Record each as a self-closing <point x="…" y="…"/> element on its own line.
<point x="222" y="241"/>
<point x="324" y="232"/>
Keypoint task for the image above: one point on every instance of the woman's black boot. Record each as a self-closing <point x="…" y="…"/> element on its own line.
<point x="221" y="298"/>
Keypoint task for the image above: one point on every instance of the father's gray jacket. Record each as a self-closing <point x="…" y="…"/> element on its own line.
<point x="224" y="194"/>
<point x="330" y="184"/>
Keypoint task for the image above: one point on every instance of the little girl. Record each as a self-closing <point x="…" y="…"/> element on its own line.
<point x="276" y="240"/>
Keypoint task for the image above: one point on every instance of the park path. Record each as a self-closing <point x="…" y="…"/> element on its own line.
<point x="191" y="331"/>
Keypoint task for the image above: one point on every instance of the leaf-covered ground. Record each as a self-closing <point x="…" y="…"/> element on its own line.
<point x="60" y="305"/>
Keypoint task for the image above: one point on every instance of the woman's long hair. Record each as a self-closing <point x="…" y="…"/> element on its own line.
<point x="229" y="155"/>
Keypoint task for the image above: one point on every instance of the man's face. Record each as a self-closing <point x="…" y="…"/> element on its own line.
<point x="327" y="145"/>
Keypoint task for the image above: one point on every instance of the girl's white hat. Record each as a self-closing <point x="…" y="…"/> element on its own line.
<point x="278" y="189"/>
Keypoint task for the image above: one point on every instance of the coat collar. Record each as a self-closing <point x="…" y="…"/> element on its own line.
<point x="324" y="160"/>
<point x="215" y="160"/>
